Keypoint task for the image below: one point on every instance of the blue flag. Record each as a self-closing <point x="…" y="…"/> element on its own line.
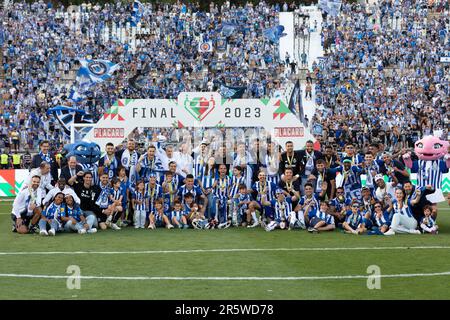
<point x="231" y="92"/>
<point x="274" y="34"/>
<point x="67" y="115"/>
<point x="95" y="71"/>
<point x="228" y="28"/>
<point x="137" y="13"/>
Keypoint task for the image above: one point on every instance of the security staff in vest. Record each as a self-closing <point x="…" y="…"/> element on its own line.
<point x="16" y="160"/>
<point x="4" y="160"/>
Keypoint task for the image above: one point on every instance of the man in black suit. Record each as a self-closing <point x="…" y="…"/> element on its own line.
<point x="73" y="172"/>
<point x="308" y="158"/>
<point x="44" y="155"/>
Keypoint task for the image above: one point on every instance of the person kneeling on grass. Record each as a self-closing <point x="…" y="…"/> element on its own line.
<point x="26" y="209"/>
<point x="50" y="216"/>
<point x="283" y="211"/>
<point x="178" y="217"/>
<point x="158" y="217"/>
<point x="354" y="222"/>
<point x="319" y="220"/>
<point x="241" y="205"/>
<point x="427" y="223"/>
<point x="73" y="217"/>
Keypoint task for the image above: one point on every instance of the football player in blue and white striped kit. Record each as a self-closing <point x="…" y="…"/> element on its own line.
<point x="189" y="187"/>
<point x="240" y="206"/>
<point x="319" y="219"/>
<point x="169" y="190"/>
<point x="51" y="215"/>
<point x="427" y="223"/>
<point x="153" y="191"/>
<point x="260" y="188"/>
<point x="354" y="222"/>
<point x="140" y="204"/>
<point x="178" y="216"/>
<point x="149" y="164"/>
<point x="104" y="203"/>
<point x="310" y="199"/>
<point x="115" y="203"/>
<point x="201" y="159"/>
<point x="158" y="217"/>
<point x="340" y="205"/>
<point x="73" y="217"/>
<point x="236" y="180"/>
<point x="221" y="189"/>
<point x="283" y="211"/>
<point x="206" y="181"/>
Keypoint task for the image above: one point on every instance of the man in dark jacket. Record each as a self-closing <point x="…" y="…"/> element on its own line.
<point x="44" y="155"/>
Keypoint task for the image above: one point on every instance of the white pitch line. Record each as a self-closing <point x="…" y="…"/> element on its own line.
<point x="346" y="277"/>
<point x="221" y="250"/>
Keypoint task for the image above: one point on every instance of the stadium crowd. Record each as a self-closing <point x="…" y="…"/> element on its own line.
<point x="39" y="52"/>
<point x="382" y="79"/>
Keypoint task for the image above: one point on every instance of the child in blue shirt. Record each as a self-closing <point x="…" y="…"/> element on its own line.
<point x="51" y="216"/>
<point x="427" y="223"/>
<point x="178" y="216"/>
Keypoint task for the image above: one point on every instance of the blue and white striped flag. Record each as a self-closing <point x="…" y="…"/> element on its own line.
<point x="95" y="71"/>
<point x="137" y="13"/>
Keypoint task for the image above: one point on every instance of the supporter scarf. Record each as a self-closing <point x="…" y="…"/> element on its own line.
<point x="320" y="179"/>
<point x="309" y="163"/>
<point x="129" y="161"/>
<point x="45" y="157"/>
<point x="102" y="200"/>
<point x="112" y="166"/>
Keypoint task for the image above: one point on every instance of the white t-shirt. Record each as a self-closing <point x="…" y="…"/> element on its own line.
<point x="388" y="189"/>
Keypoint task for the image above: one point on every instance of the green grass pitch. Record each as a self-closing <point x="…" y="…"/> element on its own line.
<point x="117" y="269"/>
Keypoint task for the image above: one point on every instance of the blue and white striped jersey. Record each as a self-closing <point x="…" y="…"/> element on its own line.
<point x="177" y="214"/>
<point x="199" y="165"/>
<point x="429" y="172"/>
<point x="381" y="220"/>
<point x="140" y="196"/>
<point x="354" y="219"/>
<point x="234" y="185"/>
<point x="329" y="219"/>
<point x="196" y="192"/>
<point x="282" y="209"/>
<point x="405" y="210"/>
<point x="428" y="221"/>
<point x="206" y="179"/>
<point x="153" y="193"/>
<point x="222" y="188"/>
<point x="314" y="199"/>
<point x="267" y="188"/>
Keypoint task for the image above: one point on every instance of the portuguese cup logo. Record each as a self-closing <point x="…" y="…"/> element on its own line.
<point x="199" y="107"/>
